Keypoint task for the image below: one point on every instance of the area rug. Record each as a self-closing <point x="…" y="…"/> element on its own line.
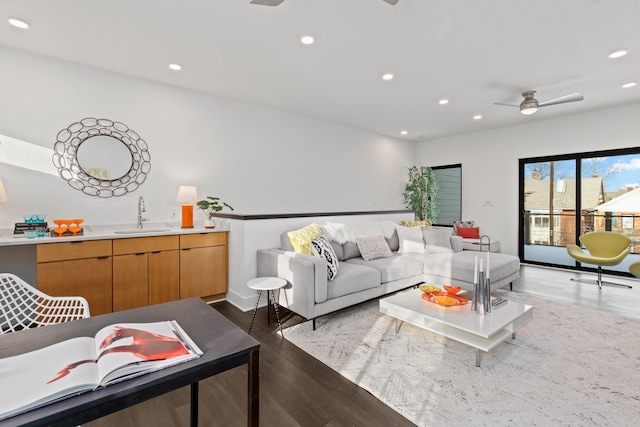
<point x="568" y="366"/>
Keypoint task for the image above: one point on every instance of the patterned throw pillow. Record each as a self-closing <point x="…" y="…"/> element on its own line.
<point x="408" y="223"/>
<point x="301" y="239"/>
<point x="465" y="224"/>
<point x="373" y="247"/>
<point x="437" y="240"/>
<point x="322" y="248"/>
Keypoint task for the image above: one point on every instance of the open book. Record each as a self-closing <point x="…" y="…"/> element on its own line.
<point x="117" y="352"/>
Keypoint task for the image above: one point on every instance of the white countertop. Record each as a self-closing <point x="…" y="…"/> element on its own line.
<point x="100" y="232"/>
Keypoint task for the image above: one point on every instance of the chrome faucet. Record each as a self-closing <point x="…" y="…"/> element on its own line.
<point x="141" y="209"/>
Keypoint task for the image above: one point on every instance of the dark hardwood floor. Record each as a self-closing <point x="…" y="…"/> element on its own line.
<point x="298" y="390"/>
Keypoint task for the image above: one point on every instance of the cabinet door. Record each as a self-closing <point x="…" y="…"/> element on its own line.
<point x="89" y="278"/>
<point x="130" y="281"/>
<point x="164" y="276"/>
<point x="203" y="272"/>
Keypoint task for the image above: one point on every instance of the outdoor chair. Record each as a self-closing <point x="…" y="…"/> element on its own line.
<point x="605" y="248"/>
<point x="22" y="306"/>
<point x="635" y="269"/>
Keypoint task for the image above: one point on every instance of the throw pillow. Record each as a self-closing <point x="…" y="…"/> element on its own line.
<point x="465" y="224"/>
<point x="437" y="240"/>
<point x="408" y="223"/>
<point x="373" y="247"/>
<point x="410" y="239"/>
<point x="322" y="248"/>
<point x="301" y="239"/>
<point x="469" y="233"/>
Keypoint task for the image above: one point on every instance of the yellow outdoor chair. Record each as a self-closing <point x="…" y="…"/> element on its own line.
<point x="635" y="269"/>
<point x="605" y="249"/>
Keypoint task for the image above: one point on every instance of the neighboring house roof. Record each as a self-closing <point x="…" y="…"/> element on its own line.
<point x="627" y="202"/>
<point x="537" y="194"/>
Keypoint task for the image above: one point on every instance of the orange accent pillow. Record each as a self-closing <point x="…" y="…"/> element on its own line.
<point x="469" y="233"/>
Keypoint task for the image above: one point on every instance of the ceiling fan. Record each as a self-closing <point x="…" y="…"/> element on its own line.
<point x="277" y="2"/>
<point x="530" y="104"/>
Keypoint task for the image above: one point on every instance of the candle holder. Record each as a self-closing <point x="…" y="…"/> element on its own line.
<point x="481" y="302"/>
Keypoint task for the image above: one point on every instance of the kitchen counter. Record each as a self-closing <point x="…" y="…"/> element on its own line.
<point x="100" y="232"/>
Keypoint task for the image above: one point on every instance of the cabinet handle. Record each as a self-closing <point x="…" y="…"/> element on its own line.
<point x="186" y="249"/>
<point x="155" y="252"/>
<point x="76" y="242"/>
<point x="103" y="257"/>
<point x="140" y="253"/>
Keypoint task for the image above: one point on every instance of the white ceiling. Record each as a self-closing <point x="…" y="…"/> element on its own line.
<point x="472" y="52"/>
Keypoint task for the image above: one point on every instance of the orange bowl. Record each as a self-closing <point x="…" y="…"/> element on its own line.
<point x="445" y="300"/>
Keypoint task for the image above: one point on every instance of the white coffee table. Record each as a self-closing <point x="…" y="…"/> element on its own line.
<point x="458" y="323"/>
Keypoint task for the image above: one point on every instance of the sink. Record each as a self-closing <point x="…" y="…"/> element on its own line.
<point x="142" y="230"/>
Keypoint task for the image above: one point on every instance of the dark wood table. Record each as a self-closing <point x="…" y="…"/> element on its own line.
<point x="225" y="346"/>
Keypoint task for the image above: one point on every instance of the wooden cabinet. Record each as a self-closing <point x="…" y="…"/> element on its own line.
<point x="77" y="268"/>
<point x="145" y="271"/>
<point x="204" y="265"/>
<point x="119" y="274"/>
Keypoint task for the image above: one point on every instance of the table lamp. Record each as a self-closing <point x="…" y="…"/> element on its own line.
<point x="3" y="195"/>
<point x="188" y="196"/>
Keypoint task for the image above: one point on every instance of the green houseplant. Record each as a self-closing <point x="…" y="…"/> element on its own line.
<point x="211" y="206"/>
<point x="421" y="191"/>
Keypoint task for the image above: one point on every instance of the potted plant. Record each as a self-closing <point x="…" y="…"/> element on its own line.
<point x="421" y="191"/>
<point x="211" y="206"/>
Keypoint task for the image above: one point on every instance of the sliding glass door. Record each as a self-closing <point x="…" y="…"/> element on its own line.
<point x="563" y="197"/>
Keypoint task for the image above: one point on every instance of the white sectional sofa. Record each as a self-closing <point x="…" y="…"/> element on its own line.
<point x="311" y="294"/>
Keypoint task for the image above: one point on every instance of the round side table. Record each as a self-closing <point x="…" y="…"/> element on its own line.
<point x="268" y="284"/>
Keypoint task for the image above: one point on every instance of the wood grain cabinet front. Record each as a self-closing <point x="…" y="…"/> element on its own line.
<point x="77" y="268"/>
<point x="204" y="266"/>
<point x="145" y="271"/>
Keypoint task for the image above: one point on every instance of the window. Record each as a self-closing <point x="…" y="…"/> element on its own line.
<point x="450" y="201"/>
<point x="582" y="192"/>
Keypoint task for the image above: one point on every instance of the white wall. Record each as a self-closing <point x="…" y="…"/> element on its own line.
<point x="490" y="160"/>
<point x="259" y="160"/>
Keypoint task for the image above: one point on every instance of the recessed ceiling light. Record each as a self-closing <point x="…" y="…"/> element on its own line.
<point x="477" y="117"/>
<point x="387" y="76"/>
<point x="19" y="23"/>
<point x="443" y="102"/>
<point x="404" y="132"/>
<point x="629" y="84"/>
<point x="306" y="40"/>
<point x="618" y="53"/>
<point x="175" y="67"/>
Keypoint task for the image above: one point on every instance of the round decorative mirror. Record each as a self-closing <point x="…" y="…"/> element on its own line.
<point x="101" y="157"/>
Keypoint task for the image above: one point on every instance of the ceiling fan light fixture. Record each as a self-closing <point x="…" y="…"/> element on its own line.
<point x="528" y="110"/>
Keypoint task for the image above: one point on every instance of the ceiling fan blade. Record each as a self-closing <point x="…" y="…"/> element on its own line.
<point x="572" y="97"/>
<point x="267" y="2"/>
<point x="508" y="105"/>
<point x="392" y="2"/>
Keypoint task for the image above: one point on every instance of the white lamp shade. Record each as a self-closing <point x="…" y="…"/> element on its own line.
<point x="3" y="195"/>
<point x="187" y="194"/>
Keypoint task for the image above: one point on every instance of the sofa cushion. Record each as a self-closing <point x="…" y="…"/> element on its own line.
<point x="393" y="242"/>
<point x="350" y="250"/>
<point x="392" y="268"/>
<point x="409" y="223"/>
<point x="373" y="247"/>
<point x="301" y="239"/>
<point x="337" y="248"/>
<point x="437" y="240"/>
<point x="322" y="248"/>
<point x="353" y="278"/>
<point x="469" y="233"/>
<point x="456" y="224"/>
<point x="410" y="239"/>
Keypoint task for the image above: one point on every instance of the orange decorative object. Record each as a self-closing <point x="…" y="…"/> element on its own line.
<point x="187" y="216"/>
<point x="451" y="290"/>
<point x="445" y="299"/>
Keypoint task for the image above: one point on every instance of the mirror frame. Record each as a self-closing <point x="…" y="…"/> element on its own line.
<point x="65" y="157"/>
